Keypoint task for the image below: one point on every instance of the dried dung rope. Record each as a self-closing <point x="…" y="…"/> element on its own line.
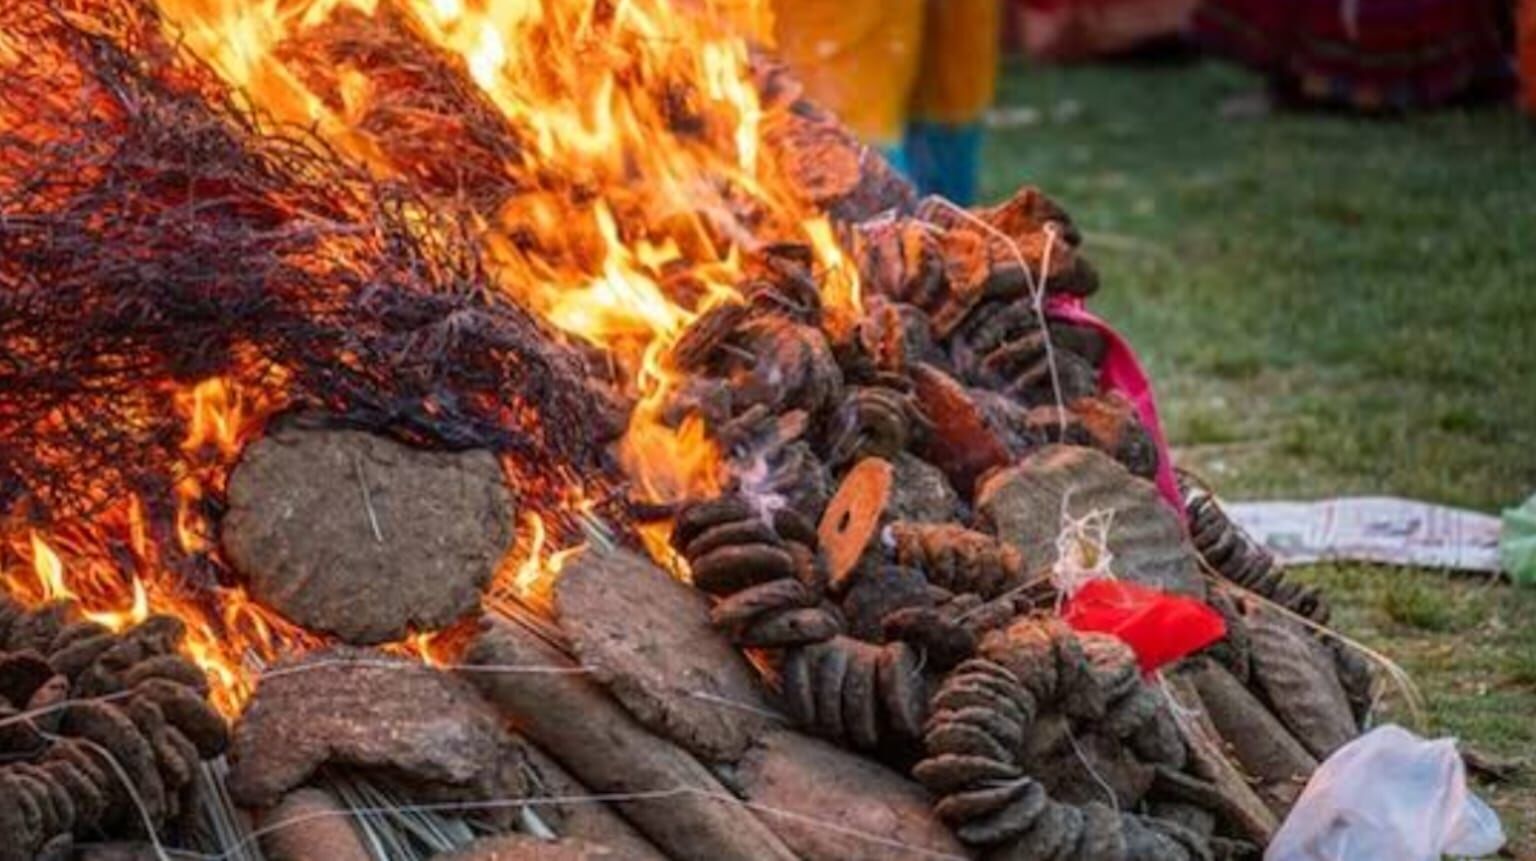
<point x="983" y="766"/>
<point x="113" y="745"/>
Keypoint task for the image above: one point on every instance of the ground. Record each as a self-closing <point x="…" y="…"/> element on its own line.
<point x="1327" y="305"/>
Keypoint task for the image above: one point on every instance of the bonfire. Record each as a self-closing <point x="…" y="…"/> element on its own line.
<point x="501" y="429"/>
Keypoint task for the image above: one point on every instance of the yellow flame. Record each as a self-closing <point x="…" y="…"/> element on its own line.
<point x="635" y="138"/>
<point x="628" y="183"/>
<point x="840" y="279"/>
<point x="531" y="573"/>
<point x="49" y="569"/>
<point x="75" y="561"/>
<point x="422" y="645"/>
<point x="53" y="581"/>
<point x="117" y="620"/>
<point x="217" y="414"/>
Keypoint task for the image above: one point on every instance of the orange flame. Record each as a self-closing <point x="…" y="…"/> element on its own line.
<point x="635" y="149"/>
<point x="530" y="571"/>
<point x="75" y="561"/>
<point x="50" y="571"/>
<point x="619" y="181"/>
<point x="216" y="416"/>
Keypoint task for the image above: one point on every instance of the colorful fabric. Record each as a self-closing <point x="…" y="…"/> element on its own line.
<point x="1160" y="628"/>
<point x="957" y="77"/>
<point x="1369" y="54"/>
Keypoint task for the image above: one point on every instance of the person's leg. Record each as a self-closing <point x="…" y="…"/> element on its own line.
<point x="957" y="81"/>
<point x="945" y="158"/>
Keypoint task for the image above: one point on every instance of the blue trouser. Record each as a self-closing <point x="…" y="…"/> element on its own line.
<point x="941" y="159"/>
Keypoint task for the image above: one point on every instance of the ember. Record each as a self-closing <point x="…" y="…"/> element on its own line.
<point x="306" y="306"/>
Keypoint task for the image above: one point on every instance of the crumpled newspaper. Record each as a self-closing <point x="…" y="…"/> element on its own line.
<point x="1382" y="529"/>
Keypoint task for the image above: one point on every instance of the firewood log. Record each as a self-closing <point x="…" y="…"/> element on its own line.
<point x="647" y="637"/>
<point x="525" y="847"/>
<point x="575" y="721"/>
<point x="1262" y="746"/>
<point x="1235" y="799"/>
<point x="1295" y="675"/>
<point x="309" y="825"/>
<point x="802" y="785"/>
<point x="561" y="805"/>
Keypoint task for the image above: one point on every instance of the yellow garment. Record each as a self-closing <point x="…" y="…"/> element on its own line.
<point x="857" y="58"/>
<point x="957" y="80"/>
<point x="750" y="18"/>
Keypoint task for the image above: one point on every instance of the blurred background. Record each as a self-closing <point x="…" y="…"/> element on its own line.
<point x="1316" y="220"/>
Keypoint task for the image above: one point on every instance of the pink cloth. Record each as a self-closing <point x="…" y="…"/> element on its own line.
<point x="1123" y="373"/>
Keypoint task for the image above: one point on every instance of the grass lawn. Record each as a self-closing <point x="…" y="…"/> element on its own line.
<point x="1328" y="305"/>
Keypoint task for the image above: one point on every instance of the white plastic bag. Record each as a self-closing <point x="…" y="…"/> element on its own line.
<point x="1388" y="796"/>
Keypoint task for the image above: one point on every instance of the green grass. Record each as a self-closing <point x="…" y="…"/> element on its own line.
<point x="1328" y="305"/>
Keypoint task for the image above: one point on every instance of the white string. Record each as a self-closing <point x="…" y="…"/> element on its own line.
<point x="746" y="707"/>
<point x="1178" y="709"/>
<point x="403" y="664"/>
<point x="133" y="792"/>
<point x="1038" y="300"/>
<point x="1079" y="537"/>
<point x="1109" y="791"/>
<point x="40" y="711"/>
<point x="594" y="798"/>
<point x="1039" y="576"/>
<point x="362" y="484"/>
<point x="507" y="669"/>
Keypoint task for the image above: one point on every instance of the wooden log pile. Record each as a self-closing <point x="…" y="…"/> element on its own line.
<point x="868" y="660"/>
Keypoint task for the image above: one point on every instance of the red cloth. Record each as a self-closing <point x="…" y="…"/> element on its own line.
<point x="1161" y="628"/>
<point x="1123" y="373"/>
